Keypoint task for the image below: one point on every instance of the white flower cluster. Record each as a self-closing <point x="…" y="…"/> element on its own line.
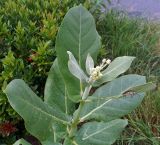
<point x="95" y="73"/>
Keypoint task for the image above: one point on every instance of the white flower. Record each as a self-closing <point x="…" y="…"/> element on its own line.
<point x="98" y="68"/>
<point x="95" y="73"/>
<point x="104" y="60"/>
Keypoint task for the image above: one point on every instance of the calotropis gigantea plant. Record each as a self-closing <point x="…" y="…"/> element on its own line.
<point x="83" y="103"/>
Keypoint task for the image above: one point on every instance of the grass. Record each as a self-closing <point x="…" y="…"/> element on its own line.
<point x="121" y="36"/>
<point x="144" y="123"/>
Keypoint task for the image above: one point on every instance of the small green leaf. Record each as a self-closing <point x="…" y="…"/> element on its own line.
<point x="75" y="69"/>
<point x="118" y="66"/>
<point x="21" y="142"/>
<point x="89" y="63"/>
<point x="100" y="133"/>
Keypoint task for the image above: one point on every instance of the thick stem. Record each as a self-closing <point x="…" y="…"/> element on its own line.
<point x="76" y="117"/>
<point x="75" y="121"/>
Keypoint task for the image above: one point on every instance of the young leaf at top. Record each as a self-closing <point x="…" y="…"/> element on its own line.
<point x="89" y="64"/>
<point x="78" y="35"/>
<point x="75" y="69"/>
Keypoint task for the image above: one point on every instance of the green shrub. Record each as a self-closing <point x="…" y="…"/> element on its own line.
<point x="27" y="38"/>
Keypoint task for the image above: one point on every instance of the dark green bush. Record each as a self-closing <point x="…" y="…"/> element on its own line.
<point x="27" y="36"/>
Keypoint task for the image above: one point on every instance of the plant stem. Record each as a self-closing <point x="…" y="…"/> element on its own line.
<point x="76" y="120"/>
<point x="76" y="117"/>
<point x="86" y="92"/>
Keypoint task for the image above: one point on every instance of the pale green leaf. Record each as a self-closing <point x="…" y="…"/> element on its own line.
<point x="89" y="64"/>
<point x="75" y="69"/>
<point x="78" y="35"/>
<point x="39" y="117"/>
<point x="129" y="92"/>
<point x="118" y="66"/>
<point x="55" y="93"/>
<point x="100" y="133"/>
<point x="114" y="108"/>
<point x="143" y="88"/>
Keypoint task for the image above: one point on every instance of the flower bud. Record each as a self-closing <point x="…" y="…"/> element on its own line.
<point x="108" y="61"/>
<point x="98" y="68"/>
<point x="104" y="60"/>
<point x="100" y="75"/>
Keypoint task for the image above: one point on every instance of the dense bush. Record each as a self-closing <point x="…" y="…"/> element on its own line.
<point x="27" y="37"/>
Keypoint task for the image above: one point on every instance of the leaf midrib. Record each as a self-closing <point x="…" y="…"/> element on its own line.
<point x="42" y="111"/>
<point x="99" y="131"/>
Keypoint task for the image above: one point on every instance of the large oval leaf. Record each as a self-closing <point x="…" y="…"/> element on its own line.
<point x="78" y="35"/>
<point x="55" y="93"/>
<point x="39" y="118"/>
<point x="100" y="133"/>
<point x="114" y="108"/>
